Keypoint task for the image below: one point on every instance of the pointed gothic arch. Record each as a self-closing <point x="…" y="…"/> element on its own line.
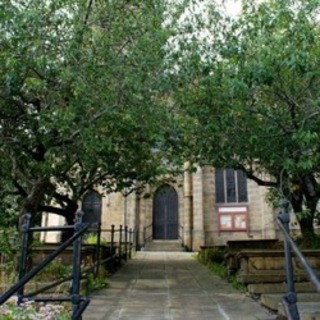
<point x="165" y="213"/>
<point x="91" y="206"/>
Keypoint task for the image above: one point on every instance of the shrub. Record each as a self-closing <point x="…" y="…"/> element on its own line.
<point x="9" y="243"/>
<point x="214" y="254"/>
<point x="98" y="283"/>
<point x="92" y="238"/>
<point x="213" y="258"/>
<point x="311" y="242"/>
<point x="54" y="271"/>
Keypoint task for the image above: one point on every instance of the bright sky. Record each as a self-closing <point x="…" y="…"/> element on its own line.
<point x="233" y="7"/>
<point x="196" y="9"/>
<point x="200" y="7"/>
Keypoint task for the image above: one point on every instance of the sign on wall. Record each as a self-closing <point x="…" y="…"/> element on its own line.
<point x="233" y="218"/>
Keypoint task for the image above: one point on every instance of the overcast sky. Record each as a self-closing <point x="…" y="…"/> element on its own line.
<point x="233" y="7"/>
<point x="200" y="32"/>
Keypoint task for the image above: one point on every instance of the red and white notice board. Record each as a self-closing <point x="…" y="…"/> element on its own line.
<point x="233" y="218"/>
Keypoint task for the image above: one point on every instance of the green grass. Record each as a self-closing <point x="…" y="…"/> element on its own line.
<point x="213" y="259"/>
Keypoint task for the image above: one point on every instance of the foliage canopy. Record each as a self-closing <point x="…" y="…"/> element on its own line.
<point x="251" y="98"/>
<point x="79" y="102"/>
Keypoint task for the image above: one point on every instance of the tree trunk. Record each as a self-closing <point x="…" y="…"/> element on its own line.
<point x="304" y="206"/>
<point x="36" y="196"/>
<point x="31" y="205"/>
<point x="70" y="218"/>
<point x="306" y="226"/>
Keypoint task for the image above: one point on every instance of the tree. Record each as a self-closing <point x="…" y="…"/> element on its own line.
<point x="252" y="101"/>
<point x="79" y="101"/>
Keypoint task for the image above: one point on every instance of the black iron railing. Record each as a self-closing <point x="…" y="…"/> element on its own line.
<point x="290" y="298"/>
<point x="120" y="249"/>
<point x="79" y="303"/>
<point x="120" y="243"/>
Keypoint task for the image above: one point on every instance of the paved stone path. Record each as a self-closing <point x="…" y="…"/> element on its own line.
<point x="170" y="286"/>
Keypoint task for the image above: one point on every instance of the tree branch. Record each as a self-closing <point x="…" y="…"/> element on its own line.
<point x="50" y="209"/>
<point x="88" y="12"/>
<point x="259" y="181"/>
<point x="19" y="188"/>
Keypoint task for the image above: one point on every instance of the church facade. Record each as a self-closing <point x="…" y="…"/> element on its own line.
<point x="205" y="208"/>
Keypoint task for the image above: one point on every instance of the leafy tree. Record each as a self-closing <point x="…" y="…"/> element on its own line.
<point x="79" y="100"/>
<point x="250" y="98"/>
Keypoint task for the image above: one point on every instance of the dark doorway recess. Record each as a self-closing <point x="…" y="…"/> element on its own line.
<point x="165" y="214"/>
<point x="91" y="206"/>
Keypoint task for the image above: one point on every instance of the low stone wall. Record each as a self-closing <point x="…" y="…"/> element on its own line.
<point x="268" y="266"/>
<point x="88" y="257"/>
<point x="88" y="253"/>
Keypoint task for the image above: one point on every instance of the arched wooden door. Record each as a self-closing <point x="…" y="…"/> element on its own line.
<point x="165" y="214"/>
<point x="91" y="206"/>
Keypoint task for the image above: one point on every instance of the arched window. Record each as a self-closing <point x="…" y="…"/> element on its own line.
<point x="91" y="206"/>
<point x="231" y="186"/>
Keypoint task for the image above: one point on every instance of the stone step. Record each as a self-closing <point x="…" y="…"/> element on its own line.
<point x="164" y="245"/>
<point x="270" y="276"/>
<point x="263" y="288"/>
<point x="273" y="301"/>
<point x="307" y="310"/>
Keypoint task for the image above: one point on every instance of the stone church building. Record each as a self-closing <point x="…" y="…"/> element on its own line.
<point x="205" y="208"/>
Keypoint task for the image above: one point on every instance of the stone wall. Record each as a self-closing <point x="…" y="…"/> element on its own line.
<point x="198" y="212"/>
<point x="261" y="223"/>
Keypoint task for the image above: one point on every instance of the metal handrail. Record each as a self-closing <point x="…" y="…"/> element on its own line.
<point x="94" y="268"/>
<point x="124" y="245"/>
<point x="32" y="273"/>
<point x="312" y="275"/>
<point x="290" y="298"/>
<point x="78" y="303"/>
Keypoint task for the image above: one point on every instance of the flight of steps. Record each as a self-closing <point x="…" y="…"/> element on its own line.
<point x="271" y="294"/>
<point x="164" y="246"/>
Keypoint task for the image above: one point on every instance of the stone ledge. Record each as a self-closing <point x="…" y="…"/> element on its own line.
<point x="262" y="288"/>
<point x="307" y="310"/>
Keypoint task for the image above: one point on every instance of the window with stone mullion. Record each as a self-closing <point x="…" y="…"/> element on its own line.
<point x="231" y="186"/>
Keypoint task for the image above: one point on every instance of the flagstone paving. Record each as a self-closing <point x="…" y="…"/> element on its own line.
<point x="170" y="286"/>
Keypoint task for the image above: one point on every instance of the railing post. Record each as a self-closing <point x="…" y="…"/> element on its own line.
<point x="130" y="242"/>
<point x="98" y="250"/>
<point x="126" y="243"/>
<point x="75" y="289"/>
<point x="78" y="303"/>
<point x="120" y="243"/>
<point x="112" y="246"/>
<point x="24" y="252"/>
<point x="290" y="298"/>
